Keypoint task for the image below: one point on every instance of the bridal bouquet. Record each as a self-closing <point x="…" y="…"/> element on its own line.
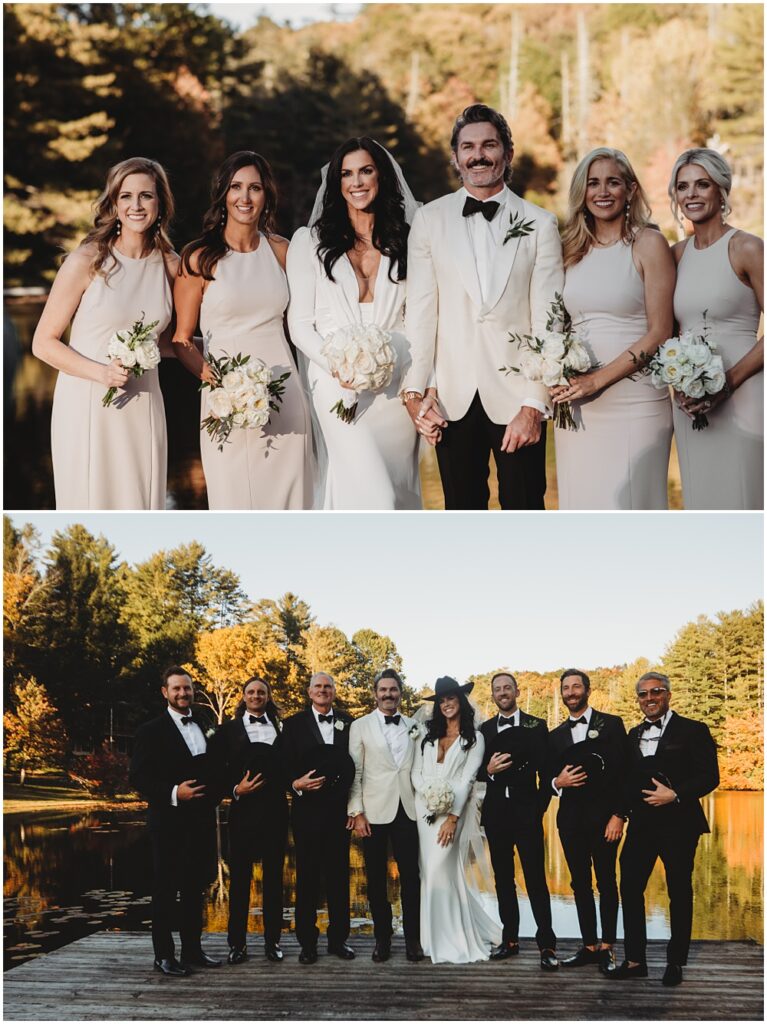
<point x="137" y="350"/>
<point x="360" y="356"/>
<point x="438" y="797"/>
<point x="555" y="358"/>
<point x="691" y="365"/>
<point x="243" y="396"/>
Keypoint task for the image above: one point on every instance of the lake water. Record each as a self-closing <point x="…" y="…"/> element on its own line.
<point x="67" y="875"/>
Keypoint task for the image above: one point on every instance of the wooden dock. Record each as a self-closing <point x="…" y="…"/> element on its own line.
<point x="109" y="975"/>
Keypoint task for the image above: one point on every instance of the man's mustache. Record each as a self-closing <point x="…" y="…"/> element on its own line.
<point x="479" y="163"/>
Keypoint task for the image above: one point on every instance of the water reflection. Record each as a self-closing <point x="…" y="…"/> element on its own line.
<point x="67" y="875"/>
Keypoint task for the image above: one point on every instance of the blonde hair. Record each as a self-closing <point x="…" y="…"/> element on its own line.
<point x="578" y="234"/>
<point x="717" y="168"/>
<point x="105" y="223"/>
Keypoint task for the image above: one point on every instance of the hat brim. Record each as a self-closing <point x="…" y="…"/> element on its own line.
<point x="583" y="755"/>
<point x="513" y="742"/>
<point x="466" y="688"/>
<point x="331" y="762"/>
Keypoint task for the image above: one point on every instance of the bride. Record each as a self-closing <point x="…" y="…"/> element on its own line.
<point x="455" y="927"/>
<point x="348" y="267"/>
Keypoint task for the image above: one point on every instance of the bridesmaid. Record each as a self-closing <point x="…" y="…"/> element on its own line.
<point x="114" y="457"/>
<point x="233" y="280"/>
<point x="619" y="282"/>
<point x="720" y="270"/>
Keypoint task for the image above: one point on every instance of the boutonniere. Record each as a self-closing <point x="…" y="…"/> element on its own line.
<point x="338" y="724"/>
<point x="529" y="723"/>
<point x="518" y="227"/>
<point x="277" y="724"/>
<point x="593" y="734"/>
<point x="209" y="732"/>
<point x="414" y="731"/>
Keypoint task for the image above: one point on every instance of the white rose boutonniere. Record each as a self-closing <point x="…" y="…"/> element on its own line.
<point x="414" y="731"/>
<point x="210" y="732"/>
<point x="338" y="724"/>
<point x="593" y="734"/>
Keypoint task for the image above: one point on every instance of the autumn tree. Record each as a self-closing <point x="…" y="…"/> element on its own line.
<point x="34" y="735"/>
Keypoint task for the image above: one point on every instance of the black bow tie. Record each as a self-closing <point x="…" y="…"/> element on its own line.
<point x="472" y="206"/>
<point x="261" y="719"/>
<point x="388" y="719"/>
<point x="187" y="720"/>
<point x="652" y="725"/>
<point x="572" y="722"/>
<point x="326" y="718"/>
<point x="505" y="722"/>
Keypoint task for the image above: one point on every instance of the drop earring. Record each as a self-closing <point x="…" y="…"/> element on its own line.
<point x="119" y="227"/>
<point x="628" y="212"/>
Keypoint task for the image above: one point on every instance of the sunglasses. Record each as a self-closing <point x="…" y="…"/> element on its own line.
<point x="656" y="691"/>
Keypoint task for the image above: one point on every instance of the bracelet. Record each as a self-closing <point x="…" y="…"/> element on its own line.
<point x="409" y="396"/>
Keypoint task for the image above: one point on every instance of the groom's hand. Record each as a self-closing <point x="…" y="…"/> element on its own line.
<point x="523" y="430"/>
<point x="427" y="416"/>
<point x="361" y="826"/>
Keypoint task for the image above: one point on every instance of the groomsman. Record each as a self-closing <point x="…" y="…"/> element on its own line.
<point x="482" y="263"/>
<point x="673" y="764"/>
<point x="172" y="771"/>
<point x="382" y="810"/>
<point x="320" y="773"/>
<point x="587" y="766"/>
<point x="517" y="797"/>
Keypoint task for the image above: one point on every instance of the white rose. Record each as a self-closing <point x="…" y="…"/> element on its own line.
<point x="531" y="365"/>
<point x="234" y="380"/>
<point x="578" y="358"/>
<point x="695" y="388"/>
<point x="553" y="346"/>
<point x="714" y="381"/>
<point x="365" y="362"/>
<point x="698" y="353"/>
<point x="219" y="404"/>
<point x="552" y="373"/>
<point x="671" y="372"/>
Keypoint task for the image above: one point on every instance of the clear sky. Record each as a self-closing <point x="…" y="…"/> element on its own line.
<point x="469" y="592"/>
<point x="243" y="16"/>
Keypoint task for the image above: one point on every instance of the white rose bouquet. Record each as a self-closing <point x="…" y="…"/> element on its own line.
<point x="361" y="356"/>
<point x="136" y="349"/>
<point x="553" y="358"/>
<point x="691" y="365"/>
<point x="438" y="797"/>
<point x="243" y="395"/>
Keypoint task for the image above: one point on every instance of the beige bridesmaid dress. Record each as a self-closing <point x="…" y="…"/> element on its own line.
<point x="618" y="458"/>
<point x="242" y="311"/>
<point x="722" y="465"/>
<point x="114" y="457"/>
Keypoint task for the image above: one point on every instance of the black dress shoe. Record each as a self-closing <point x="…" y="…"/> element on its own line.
<point x="381" y="952"/>
<point x="308" y="955"/>
<point x="171" y="967"/>
<point x="237" y="955"/>
<point x="625" y="971"/>
<point x="672" y="975"/>
<point x="343" y="951"/>
<point x="583" y="957"/>
<point x="606" y="961"/>
<point x="549" y="960"/>
<point x="273" y="952"/>
<point x="504" y="951"/>
<point x="414" y="952"/>
<point x="200" y="960"/>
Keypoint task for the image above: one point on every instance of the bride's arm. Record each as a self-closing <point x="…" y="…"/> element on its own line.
<point x="302" y="280"/>
<point x="464" y="780"/>
<point x="416" y="772"/>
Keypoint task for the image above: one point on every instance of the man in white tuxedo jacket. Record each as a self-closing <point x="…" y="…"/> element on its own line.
<point x="382" y="806"/>
<point x="482" y="264"/>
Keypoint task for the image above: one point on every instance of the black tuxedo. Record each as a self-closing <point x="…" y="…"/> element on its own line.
<point x="183" y="837"/>
<point x="583" y="814"/>
<point x="319" y="829"/>
<point x="258" y="829"/>
<point x="686" y="760"/>
<point x="512" y="817"/>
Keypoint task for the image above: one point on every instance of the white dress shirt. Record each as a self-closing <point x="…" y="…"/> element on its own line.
<point x="258" y="733"/>
<point x="579" y="734"/>
<point x="326" y="728"/>
<point x="506" y="722"/>
<point x="648" y="738"/>
<point x="193" y="737"/>
<point x="395" y="735"/>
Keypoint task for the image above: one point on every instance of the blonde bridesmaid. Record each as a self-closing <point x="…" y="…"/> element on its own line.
<point x="111" y="457"/>
<point x="720" y="270"/>
<point x="619" y="282"/>
<point x="232" y="279"/>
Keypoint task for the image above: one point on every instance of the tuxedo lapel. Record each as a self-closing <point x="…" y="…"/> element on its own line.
<point x="671" y="726"/>
<point x="460" y="245"/>
<point x="504" y="254"/>
<point x="313" y="728"/>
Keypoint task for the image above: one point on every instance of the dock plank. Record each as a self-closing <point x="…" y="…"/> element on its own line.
<point x="110" y="975"/>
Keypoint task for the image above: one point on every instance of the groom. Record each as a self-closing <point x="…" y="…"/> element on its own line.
<point x="482" y="264"/>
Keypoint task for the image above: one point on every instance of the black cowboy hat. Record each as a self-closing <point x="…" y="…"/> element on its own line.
<point x="446" y="686"/>
<point x="514" y="741"/>
<point x="261" y="759"/>
<point x="332" y="762"/>
<point x="583" y="755"/>
<point x="647" y="770"/>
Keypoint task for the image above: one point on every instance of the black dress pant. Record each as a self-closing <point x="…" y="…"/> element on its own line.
<point x="403" y="833"/>
<point x="322" y="854"/>
<point x="184" y="861"/>
<point x="640" y="852"/>
<point x="463" y="456"/>
<point x="251" y="839"/>
<point x="528" y="840"/>
<point x="582" y="848"/>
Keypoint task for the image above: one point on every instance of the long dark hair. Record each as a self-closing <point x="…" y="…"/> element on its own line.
<point x="437" y="725"/>
<point x="273" y="710"/>
<point x="390" y="230"/>
<point x="211" y="244"/>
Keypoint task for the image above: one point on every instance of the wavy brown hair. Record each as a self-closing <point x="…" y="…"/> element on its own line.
<point x="211" y="245"/>
<point x="578" y="234"/>
<point x="105" y="223"/>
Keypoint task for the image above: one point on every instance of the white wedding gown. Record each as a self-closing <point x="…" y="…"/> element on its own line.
<point x="371" y="463"/>
<point x="457" y="925"/>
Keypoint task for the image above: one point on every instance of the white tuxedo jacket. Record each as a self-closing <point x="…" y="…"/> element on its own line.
<point x="379" y="784"/>
<point x="458" y="342"/>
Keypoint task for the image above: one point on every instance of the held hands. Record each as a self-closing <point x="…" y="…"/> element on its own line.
<point x="113" y="375"/>
<point x="428" y="416"/>
<point x="570" y="775"/>
<point x="207" y="376"/>
<point x="659" y="796"/>
<point x="523" y="430"/>
<point x="446" y="833"/>
<point x="498" y="763"/>
<point x="189" y="790"/>
<point x="360" y="825"/>
<point x="309" y="781"/>
<point x="614" y="829"/>
<point x="246" y="785"/>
